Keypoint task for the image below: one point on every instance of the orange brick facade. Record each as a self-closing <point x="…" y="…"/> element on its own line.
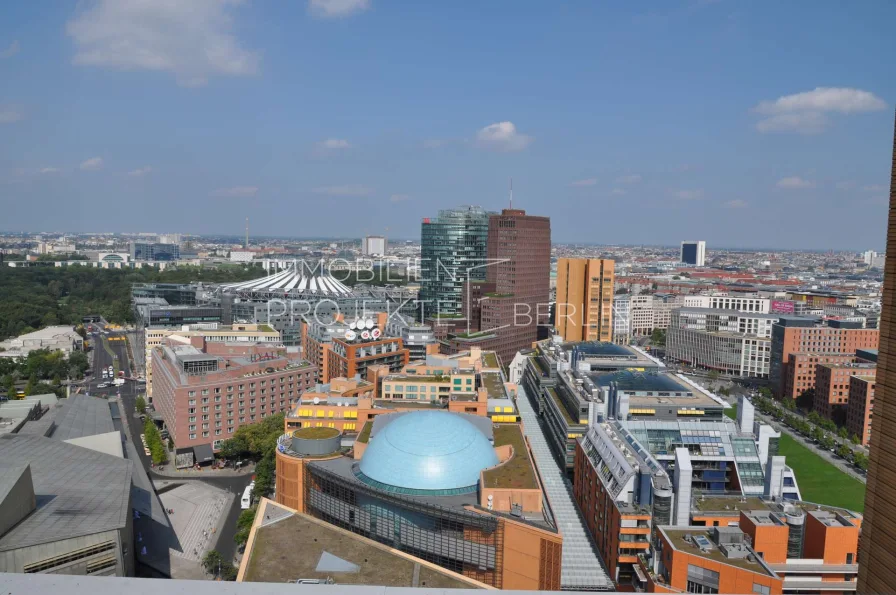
<point x="860" y="408"/>
<point x="832" y="383"/>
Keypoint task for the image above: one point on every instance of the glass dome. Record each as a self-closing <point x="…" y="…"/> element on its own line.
<point x="427" y="452"/>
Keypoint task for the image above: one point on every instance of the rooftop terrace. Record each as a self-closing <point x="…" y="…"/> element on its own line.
<point x="518" y="472"/>
<point x="677" y="540"/>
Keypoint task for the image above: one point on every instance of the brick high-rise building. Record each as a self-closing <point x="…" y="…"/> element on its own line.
<point x="860" y="407"/>
<point x="877" y="572"/>
<point x="505" y="310"/>
<point x="585" y="299"/>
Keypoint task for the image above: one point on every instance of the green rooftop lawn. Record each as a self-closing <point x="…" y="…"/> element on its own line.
<point x="490" y="359"/>
<point x="364" y="436"/>
<point x="819" y="481"/>
<point x="315" y="433"/>
<point x="518" y="472"/>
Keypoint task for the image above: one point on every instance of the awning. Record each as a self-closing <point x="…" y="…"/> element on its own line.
<point x="204" y="453"/>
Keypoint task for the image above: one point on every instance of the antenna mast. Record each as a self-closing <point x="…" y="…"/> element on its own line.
<point x="247" y="233"/>
<point x="511" y="193"/>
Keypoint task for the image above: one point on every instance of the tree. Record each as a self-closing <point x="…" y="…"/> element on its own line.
<point x="843" y="433"/>
<point x="244" y="525"/>
<point x="658" y="337"/>
<point x="264" y="476"/>
<point x="140" y="404"/>
<point x="855" y="439"/>
<point x="154" y="442"/>
<point x="212" y="562"/>
<point x="845" y="452"/>
<point x="861" y="461"/>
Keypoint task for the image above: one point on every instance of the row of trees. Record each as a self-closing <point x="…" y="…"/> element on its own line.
<point x="215" y="564"/>
<point x="35" y="297"/>
<point x="823" y="431"/>
<point x="154" y="442"/>
<point x="257" y="442"/>
<point x="42" y="371"/>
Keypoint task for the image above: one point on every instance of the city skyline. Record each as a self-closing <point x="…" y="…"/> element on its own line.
<point x="310" y="116"/>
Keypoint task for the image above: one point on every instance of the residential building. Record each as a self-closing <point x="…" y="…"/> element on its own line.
<point x="418" y="337"/>
<point x="54" y="338"/>
<point x="505" y="311"/>
<point x="452" y="252"/>
<point x="585" y="299"/>
<point x="348" y="358"/>
<point x="641" y="308"/>
<point x="860" y="407"/>
<point x="451" y="489"/>
<point x="373" y="246"/>
<point x="727" y="341"/>
<point x="832" y="387"/>
<point x="693" y="252"/>
<point x="205" y="390"/>
<point x="807" y="334"/>
<point x="622" y="319"/>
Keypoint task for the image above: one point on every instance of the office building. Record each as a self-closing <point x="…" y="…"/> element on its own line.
<point x="153" y="313"/>
<point x="452" y="252"/>
<point x="451" y="489"/>
<point x="878" y="546"/>
<point x="727" y="341"/>
<point x="832" y="387"/>
<point x="54" y="338"/>
<point x="153" y="251"/>
<point x="585" y="299"/>
<point x="211" y="332"/>
<point x="505" y="311"/>
<point x="649" y="312"/>
<point x="622" y="319"/>
<point x="860" y="407"/>
<point x="693" y="252"/>
<point x="809" y="335"/>
<point x="418" y="337"/>
<point x="205" y="390"/>
<point x="373" y="246"/>
<point x="724" y="301"/>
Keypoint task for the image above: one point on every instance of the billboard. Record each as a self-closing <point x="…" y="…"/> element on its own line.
<point x="782" y="307"/>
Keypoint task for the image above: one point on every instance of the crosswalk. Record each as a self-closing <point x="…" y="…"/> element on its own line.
<point x="582" y="568"/>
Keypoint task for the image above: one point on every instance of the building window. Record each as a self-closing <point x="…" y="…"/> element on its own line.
<point x="761" y="589"/>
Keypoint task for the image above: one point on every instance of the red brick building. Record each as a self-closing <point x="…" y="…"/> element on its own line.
<point x="832" y="383"/>
<point x="205" y="391"/>
<point x="860" y="407"/>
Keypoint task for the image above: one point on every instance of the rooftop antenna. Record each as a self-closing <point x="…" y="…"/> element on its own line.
<point x="247" y="233"/>
<point x="511" y="194"/>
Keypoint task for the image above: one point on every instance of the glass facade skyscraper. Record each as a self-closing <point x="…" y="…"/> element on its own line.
<point x="452" y="244"/>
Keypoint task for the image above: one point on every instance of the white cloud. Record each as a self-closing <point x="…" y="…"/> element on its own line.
<point x="794" y="182"/>
<point x="736" y="204"/>
<point x="805" y="112"/>
<point x="502" y="136"/>
<point x="629" y="179"/>
<point x="346" y="190"/>
<point x="805" y="123"/>
<point x="689" y="194"/>
<point x="334" y="9"/>
<point x="333" y="144"/>
<point x="399" y="197"/>
<point x="585" y="182"/>
<point x="140" y="171"/>
<point x="10" y="114"/>
<point x="11" y="51"/>
<point x="92" y="164"/>
<point x="235" y="192"/>
<point x="48" y="170"/>
<point x="192" y="39"/>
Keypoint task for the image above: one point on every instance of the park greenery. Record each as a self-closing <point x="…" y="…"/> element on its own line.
<point x="215" y="564"/>
<point x="36" y="297"/>
<point x="154" y="443"/>
<point x="257" y="442"/>
<point x="140" y="404"/>
<point x="41" y="372"/>
<point x="244" y="526"/>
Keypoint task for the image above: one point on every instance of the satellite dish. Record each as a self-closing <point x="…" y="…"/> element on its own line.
<point x="365" y="335"/>
<point x="352" y="325"/>
<point x="316" y="400"/>
<point x="368" y="323"/>
<point x="375" y="333"/>
<point x="351" y="335"/>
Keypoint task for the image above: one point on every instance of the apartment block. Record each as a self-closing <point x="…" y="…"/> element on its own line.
<point x="205" y="390"/>
<point x="860" y="407"/>
<point x="622" y="319"/>
<point x="806" y="334"/>
<point x="585" y="297"/>
<point x="832" y="385"/>
<point x="799" y="374"/>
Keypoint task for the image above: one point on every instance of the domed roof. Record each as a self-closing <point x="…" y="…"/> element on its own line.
<point x="427" y="451"/>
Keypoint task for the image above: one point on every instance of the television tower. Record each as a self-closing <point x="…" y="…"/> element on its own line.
<point x="247" y="233"/>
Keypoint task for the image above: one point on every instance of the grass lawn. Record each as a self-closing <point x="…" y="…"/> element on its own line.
<point x="819" y="481"/>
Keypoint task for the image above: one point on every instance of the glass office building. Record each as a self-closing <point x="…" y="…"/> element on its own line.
<point x="452" y="244"/>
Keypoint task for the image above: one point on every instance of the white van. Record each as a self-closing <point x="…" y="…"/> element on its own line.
<point x="246" y="501"/>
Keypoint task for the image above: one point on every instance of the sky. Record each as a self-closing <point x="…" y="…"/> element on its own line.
<point x="745" y="124"/>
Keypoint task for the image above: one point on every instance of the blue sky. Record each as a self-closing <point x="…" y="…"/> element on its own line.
<point x="756" y="124"/>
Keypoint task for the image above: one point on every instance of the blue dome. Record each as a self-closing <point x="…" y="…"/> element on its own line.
<point x="425" y="452"/>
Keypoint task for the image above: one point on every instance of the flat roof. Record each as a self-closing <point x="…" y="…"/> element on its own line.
<point x="301" y="547"/>
<point x="729" y="311"/>
<point x="630" y="381"/>
<point x="80" y="416"/>
<point x="518" y="472"/>
<point x="676" y="538"/>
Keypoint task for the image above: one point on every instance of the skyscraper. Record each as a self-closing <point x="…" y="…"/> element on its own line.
<point x="373" y="246"/>
<point x="452" y="251"/>
<point x="585" y="299"/>
<point x="504" y="311"/>
<point x="693" y="252"/>
<point x="877" y="571"/>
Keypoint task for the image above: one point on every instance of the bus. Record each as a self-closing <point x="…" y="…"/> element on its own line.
<point x="246" y="501"/>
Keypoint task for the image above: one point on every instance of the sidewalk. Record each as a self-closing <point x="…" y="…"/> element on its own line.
<point x="208" y="474"/>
